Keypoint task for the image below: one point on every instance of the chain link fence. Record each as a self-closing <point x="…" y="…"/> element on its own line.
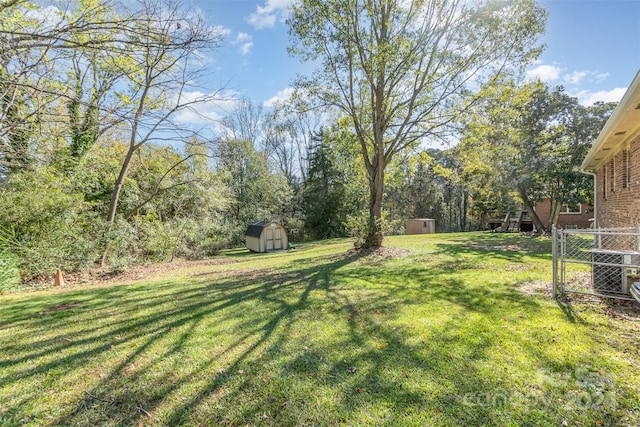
<point x="602" y="262"/>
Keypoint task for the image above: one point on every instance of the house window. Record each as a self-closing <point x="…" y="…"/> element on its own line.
<point x="612" y="175"/>
<point x="605" y="187"/>
<point x="626" y="156"/>
<point x="570" y="208"/>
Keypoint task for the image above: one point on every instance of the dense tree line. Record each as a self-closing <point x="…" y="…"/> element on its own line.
<point x="524" y="142"/>
<point x="98" y="165"/>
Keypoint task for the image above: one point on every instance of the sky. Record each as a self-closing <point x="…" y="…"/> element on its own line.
<point x="592" y="48"/>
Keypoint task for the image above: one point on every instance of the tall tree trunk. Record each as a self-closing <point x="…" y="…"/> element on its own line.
<point x="555" y="212"/>
<point x="465" y="208"/>
<point x="115" y="196"/>
<point x="376" y="191"/>
<point x="529" y="208"/>
<point x="450" y="208"/>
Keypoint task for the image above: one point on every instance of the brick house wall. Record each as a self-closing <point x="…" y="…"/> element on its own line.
<point x="618" y="189"/>
<point x="565" y="219"/>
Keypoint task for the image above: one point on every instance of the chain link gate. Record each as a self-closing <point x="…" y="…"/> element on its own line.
<point x="601" y="262"/>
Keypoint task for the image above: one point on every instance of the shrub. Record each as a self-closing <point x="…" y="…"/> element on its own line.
<point x="9" y="273"/>
<point x="46" y="225"/>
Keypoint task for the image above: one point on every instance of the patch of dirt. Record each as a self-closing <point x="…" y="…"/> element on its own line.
<point x="511" y="247"/>
<point x="138" y="272"/>
<point x="61" y="307"/>
<point x="613" y="307"/>
<point x="380" y="254"/>
<point x="536" y="287"/>
<point x="578" y="280"/>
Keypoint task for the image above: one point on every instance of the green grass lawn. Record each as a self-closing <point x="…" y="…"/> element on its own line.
<point x="434" y="330"/>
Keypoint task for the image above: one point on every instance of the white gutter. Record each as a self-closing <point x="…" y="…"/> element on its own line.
<point x="595" y="196"/>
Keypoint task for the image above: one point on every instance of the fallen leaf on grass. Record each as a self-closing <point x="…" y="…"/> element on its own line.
<point x="361" y="390"/>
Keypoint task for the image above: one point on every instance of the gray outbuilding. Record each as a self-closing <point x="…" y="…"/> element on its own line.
<point x="265" y="236"/>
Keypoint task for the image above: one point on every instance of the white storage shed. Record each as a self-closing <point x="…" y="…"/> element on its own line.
<point x="265" y="236"/>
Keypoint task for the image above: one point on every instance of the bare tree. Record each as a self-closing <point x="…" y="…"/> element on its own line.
<point x="277" y="145"/>
<point x="56" y="72"/>
<point x="243" y="123"/>
<point x="162" y="69"/>
<point x="287" y="137"/>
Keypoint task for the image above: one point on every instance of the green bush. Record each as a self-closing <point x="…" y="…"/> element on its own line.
<point x="47" y="225"/>
<point x="200" y="239"/>
<point x="9" y="273"/>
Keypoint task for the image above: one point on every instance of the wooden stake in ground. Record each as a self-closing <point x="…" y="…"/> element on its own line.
<point x="59" y="279"/>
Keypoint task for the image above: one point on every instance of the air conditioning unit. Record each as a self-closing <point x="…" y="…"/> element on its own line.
<point x="610" y="269"/>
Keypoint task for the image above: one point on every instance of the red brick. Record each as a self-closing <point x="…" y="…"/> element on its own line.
<point x="621" y="207"/>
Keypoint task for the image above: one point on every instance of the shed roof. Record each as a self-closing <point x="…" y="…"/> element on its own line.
<point x="622" y="127"/>
<point x="255" y="228"/>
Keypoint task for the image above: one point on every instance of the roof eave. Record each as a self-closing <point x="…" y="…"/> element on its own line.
<point x="596" y="156"/>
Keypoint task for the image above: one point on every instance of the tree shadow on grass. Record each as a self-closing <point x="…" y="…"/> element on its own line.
<point x="147" y="318"/>
<point x="337" y="340"/>
<point x="510" y="247"/>
<point x="365" y="375"/>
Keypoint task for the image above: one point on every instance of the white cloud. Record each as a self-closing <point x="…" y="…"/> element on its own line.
<point x="601" y="77"/>
<point x="267" y="15"/>
<point x="281" y="96"/>
<point x="245" y="48"/>
<point x="546" y="73"/>
<point x="49" y="17"/>
<point x="586" y="97"/>
<point x="243" y="38"/>
<point x="193" y="116"/>
<point x="245" y="41"/>
<point x="260" y="19"/>
<point x="222" y="31"/>
<point x="206" y="107"/>
<point x="575" y="77"/>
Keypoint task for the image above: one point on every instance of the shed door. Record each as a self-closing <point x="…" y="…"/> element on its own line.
<point x="269" y="233"/>
<point x="277" y="238"/>
<point x="274" y="239"/>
